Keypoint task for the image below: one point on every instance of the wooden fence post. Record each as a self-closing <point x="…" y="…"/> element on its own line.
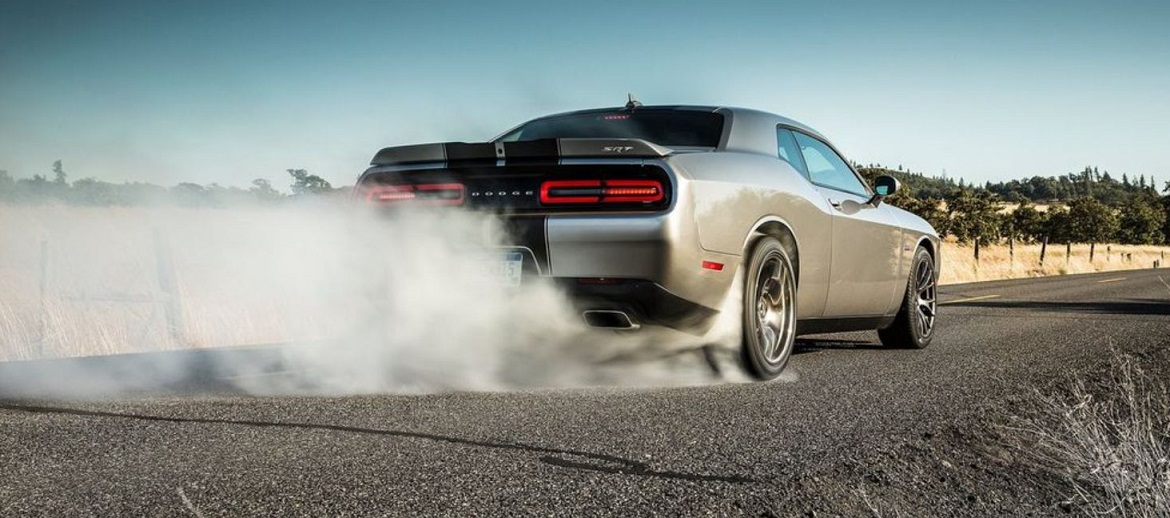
<point x="44" y="291"/>
<point x="169" y="286"/>
<point x="1068" y="252"/>
<point x="1092" y="249"/>
<point x="1043" y="248"/>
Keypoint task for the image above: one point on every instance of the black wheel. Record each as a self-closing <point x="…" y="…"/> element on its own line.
<point x="913" y="328"/>
<point x="769" y="310"/>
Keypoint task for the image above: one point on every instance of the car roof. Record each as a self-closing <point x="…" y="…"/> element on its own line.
<point x="749" y="130"/>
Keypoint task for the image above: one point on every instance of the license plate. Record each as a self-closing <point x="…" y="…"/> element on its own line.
<point x="507" y="270"/>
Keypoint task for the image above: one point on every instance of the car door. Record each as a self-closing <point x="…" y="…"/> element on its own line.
<point x="867" y="240"/>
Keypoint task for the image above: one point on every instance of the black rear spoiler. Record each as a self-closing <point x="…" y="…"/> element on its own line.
<point x="527" y="150"/>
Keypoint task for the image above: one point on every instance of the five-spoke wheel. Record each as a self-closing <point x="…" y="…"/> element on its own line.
<point x="913" y="327"/>
<point x="769" y="316"/>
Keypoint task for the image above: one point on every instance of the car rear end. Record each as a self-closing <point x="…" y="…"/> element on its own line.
<point x="603" y="214"/>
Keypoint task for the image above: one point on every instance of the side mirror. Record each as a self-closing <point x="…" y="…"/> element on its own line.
<point x="884" y="186"/>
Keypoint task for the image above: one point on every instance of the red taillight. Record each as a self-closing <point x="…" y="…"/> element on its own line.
<point x="564" y="192"/>
<point x="570" y="191"/>
<point x="424" y="194"/>
<point x="712" y="265"/>
<point x="380" y="193"/>
<point x="632" y="191"/>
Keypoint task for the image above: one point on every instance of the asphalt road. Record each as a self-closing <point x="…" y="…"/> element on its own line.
<point x="848" y="417"/>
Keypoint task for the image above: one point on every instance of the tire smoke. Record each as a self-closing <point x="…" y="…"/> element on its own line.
<point x="332" y="300"/>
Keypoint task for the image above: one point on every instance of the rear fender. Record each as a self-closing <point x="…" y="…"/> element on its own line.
<point x="736" y="196"/>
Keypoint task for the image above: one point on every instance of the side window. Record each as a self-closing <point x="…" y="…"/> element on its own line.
<point x="826" y="168"/>
<point x="788" y="150"/>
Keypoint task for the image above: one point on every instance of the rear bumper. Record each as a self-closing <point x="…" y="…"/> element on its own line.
<point x="645" y="302"/>
<point x="651" y="265"/>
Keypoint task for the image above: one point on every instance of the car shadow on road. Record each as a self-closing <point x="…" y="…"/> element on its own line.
<point x="1102" y="307"/>
<point x="552" y="456"/>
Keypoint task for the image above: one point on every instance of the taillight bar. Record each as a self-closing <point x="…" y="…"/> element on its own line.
<point x="422" y="194"/>
<point x="564" y="192"/>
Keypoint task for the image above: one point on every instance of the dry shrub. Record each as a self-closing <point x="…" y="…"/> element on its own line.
<point x="1110" y="437"/>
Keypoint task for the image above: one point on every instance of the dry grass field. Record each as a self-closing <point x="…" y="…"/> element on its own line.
<point x="998" y="261"/>
<point x="92" y="281"/>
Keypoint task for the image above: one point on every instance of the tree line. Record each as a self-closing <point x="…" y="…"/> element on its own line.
<point x="57" y="188"/>
<point x="1089" y="182"/>
<point x="1087" y="207"/>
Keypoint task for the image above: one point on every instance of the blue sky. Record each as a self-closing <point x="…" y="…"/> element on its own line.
<point x="204" y="91"/>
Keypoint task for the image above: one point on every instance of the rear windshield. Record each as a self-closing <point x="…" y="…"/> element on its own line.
<point x="670" y="128"/>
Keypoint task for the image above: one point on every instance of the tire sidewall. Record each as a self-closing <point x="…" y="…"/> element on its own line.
<point x="752" y="351"/>
<point x="911" y="304"/>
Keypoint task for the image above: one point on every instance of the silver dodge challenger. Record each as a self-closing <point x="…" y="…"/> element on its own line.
<point x="646" y="215"/>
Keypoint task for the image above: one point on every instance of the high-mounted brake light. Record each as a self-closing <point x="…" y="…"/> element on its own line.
<point x="565" y="192"/>
<point x="423" y="194"/>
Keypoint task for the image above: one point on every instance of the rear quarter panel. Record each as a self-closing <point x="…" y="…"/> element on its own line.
<point x="734" y="193"/>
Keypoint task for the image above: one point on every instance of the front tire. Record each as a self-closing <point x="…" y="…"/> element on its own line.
<point x="913" y="328"/>
<point x="769" y="310"/>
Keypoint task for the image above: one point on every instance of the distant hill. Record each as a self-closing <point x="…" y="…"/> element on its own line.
<point x="916" y="185"/>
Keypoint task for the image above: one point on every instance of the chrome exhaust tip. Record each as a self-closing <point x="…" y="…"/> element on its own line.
<point x="609" y="319"/>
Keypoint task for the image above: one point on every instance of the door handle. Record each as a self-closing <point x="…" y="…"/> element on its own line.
<point x="836" y="204"/>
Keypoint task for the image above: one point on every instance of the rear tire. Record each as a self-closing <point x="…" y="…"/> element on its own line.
<point x="769" y="310"/>
<point x="913" y="328"/>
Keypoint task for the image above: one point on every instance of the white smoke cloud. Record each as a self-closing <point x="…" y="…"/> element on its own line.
<point x="370" y="303"/>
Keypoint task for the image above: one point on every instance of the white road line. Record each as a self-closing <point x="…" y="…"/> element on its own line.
<point x="972" y="299"/>
<point x="1111" y="280"/>
<point x="187" y="502"/>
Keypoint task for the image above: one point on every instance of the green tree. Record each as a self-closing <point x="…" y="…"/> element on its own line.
<point x="36" y="189"/>
<point x="1165" y="201"/>
<point x="305" y="183"/>
<point x="59" y="176"/>
<point x="189" y="194"/>
<point x="91" y="191"/>
<point x="221" y="196"/>
<point x="1058" y="226"/>
<point x="1141" y="221"/>
<point x="1091" y="221"/>
<point x="262" y="189"/>
<point x="973" y="216"/>
<point x="1027" y="223"/>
